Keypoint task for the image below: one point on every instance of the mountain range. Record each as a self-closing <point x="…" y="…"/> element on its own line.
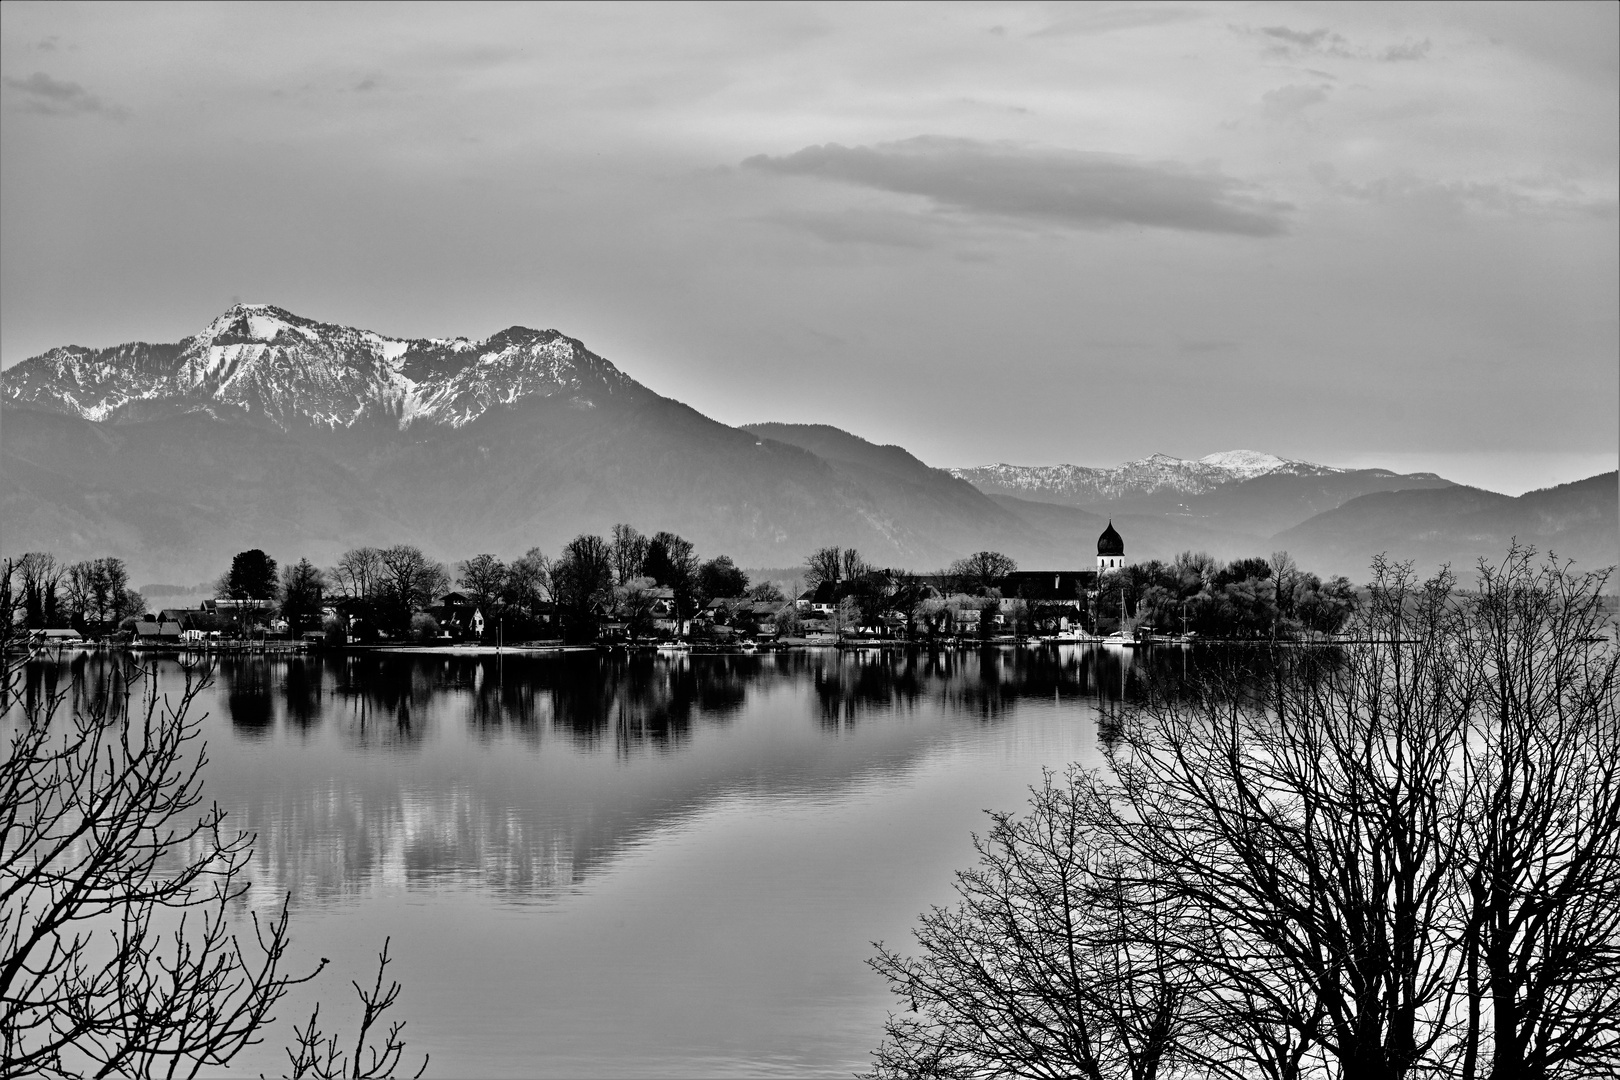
<point x="270" y="430"/>
<point x="1080" y="484"/>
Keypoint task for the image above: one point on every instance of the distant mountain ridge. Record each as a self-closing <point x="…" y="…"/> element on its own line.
<point x="1457" y="524"/>
<point x="297" y="372"/>
<point x="1080" y="485"/>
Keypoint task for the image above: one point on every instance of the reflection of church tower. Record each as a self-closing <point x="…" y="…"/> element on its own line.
<point x="1110" y="550"/>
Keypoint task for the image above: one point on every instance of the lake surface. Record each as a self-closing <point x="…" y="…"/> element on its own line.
<point x="624" y="867"/>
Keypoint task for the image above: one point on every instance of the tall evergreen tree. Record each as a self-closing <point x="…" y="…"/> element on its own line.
<point x="302" y="588"/>
<point x="252" y="576"/>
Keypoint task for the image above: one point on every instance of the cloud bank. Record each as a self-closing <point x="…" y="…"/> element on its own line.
<point x="55" y="97"/>
<point x="1071" y="188"/>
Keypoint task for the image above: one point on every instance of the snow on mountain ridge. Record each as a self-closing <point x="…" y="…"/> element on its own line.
<point x="1244" y="462"/>
<point x="1158" y="472"/>
<point x="296" y="371"/>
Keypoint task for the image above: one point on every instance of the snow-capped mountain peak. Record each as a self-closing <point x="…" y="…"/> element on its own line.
<point x="1245" y="463"/>
<point x="257" y="322"/>
<point x="299" y="372"/>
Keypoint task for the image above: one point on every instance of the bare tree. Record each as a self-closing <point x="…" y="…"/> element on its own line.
<point x="79" y="591"/>
<point x="91" y="817"/>
<point x="1050" y="965"/>
<point x="824" y="565"/>
<point x="583" y="580"/>
<point x="528" y="583"/>
<point x="1540" y="816"/>
<point x="407" y="579"/>
<point x="128" y="604"/>
<point x="485" y="578"/>
<point x="98" y="592"/>
<point x="854" y="565"/>
<point x="629" y="553"/>
<point x="982" y="571"/>
<point x="117" y="951"/>
<point x="1396" y="859"/>
<point x="111" y="589"/>
<point x="358" y="573"/>
<point x="325" y="1057"/>
<point x="1285" y="573"/>
<point x="1405" y="857"/>
<point x="1302" y="816"/>
<point x="40" y="577"/>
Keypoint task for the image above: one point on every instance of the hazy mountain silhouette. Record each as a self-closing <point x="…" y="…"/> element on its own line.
<point x="1458" y="525"/>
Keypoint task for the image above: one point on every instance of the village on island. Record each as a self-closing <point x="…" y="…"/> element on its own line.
<point x="635" y="592"/>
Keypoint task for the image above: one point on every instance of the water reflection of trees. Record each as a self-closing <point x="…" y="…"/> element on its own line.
<point x="340" y="840"/>
<point x="246" y="682"/>
<point x="326" y="835"/>
<point x="98" y="684"/>
<point x="304" y="689"/>
<point x="990" y="684"/>
<point x="382" y="700"/>
<point x="630" y="702"/>
<point x="40" y="684"/>
<point x="387" y="700"/>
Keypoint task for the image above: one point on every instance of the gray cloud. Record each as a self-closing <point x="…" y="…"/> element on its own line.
<point x="1288" y="101"/>
<point x="1285" y="41"/>
<point x="1085" y="190"/>
<point x="1123" y="18"/>
<point x="1442" y="200"/>
<point x="53" y="97"/>
<point x="1293" y="41"/>
<point x="1408" y="50"/>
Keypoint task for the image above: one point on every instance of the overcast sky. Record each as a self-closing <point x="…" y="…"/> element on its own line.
<point x="1355" y="234"/>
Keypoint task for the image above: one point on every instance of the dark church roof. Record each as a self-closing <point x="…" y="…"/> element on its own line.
<point x="1110" y="542"/>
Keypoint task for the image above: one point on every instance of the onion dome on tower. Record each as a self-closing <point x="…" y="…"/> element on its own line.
<point x="1110" y="550"/>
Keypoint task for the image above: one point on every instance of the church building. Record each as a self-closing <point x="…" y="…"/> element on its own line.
<point x="1110" y="550"/>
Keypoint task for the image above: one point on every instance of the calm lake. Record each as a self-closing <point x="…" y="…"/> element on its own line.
<point x="624" y="867"/>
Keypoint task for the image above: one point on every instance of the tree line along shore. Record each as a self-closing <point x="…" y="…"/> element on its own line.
<point x="632" y="589"/>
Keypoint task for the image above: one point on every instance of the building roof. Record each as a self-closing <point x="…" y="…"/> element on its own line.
<point x="1110" y="542"/>
<point x="824" y="593"/>
<point x="1048" y="585"/>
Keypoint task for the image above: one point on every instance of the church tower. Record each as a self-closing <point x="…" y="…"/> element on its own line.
<point x="1110" y="550"/>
